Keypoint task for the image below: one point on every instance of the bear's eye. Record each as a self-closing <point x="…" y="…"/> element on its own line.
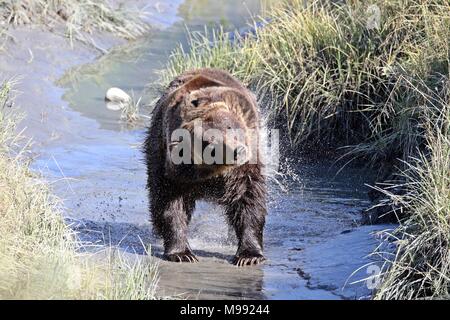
<point x="195" y="103"/>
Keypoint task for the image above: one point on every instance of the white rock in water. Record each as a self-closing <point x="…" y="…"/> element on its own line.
<point x="117" y="96"/>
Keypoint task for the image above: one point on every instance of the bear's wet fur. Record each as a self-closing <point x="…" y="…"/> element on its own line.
<point x="221" y="102"/>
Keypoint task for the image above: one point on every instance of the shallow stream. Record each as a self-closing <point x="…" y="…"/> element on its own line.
<point x="311" y="240"/>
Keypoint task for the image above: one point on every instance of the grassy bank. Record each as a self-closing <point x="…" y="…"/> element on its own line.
<point x="40" y="256"/>
<point x="421" y="265"/>
<point x="335" y="76"/>
<point x="77" y="16"/>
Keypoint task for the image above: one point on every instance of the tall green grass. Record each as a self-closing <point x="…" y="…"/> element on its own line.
<point x="40" y="256"/>
<point x="421" y="265"/>
<point x="331" y="81"/>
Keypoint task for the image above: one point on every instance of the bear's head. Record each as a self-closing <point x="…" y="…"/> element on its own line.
<point x="213" y="127"/>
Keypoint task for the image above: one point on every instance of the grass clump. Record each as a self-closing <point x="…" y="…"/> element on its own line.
<point x="421" y="265"/>
<point x="77" y="15"/>
<point x="327" y="76"/>
<point x="40" y="256"/>
<point x="130" y="113"/>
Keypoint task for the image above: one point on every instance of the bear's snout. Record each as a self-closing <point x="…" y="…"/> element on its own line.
<point x="221" y="153"/>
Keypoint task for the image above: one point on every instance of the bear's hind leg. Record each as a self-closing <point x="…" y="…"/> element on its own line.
<point x="171" y="217"/>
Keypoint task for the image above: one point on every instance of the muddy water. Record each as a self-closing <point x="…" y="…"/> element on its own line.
<point x="311" y="241"/>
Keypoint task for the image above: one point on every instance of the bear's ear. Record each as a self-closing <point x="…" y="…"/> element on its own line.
<point x="193" y="84"/>
<point x="199" y="82"/>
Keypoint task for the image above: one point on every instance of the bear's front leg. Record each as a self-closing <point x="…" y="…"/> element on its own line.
<point x="171" y="217"/>
<point x="245" y="207"/>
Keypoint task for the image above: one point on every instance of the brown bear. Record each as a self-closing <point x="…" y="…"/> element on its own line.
<point x="219" y="102"/>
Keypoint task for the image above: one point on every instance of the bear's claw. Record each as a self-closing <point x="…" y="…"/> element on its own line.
<point x="181" y="257"/>
<point x="248" y="261"/>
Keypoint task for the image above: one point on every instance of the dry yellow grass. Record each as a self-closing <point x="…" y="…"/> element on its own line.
<point x="75" y="19"/>
<point x="40" y="256"/>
